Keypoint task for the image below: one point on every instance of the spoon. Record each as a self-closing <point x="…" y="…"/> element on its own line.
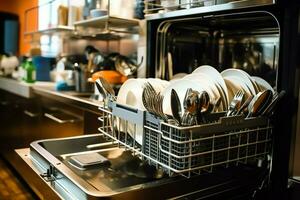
<point x="191" y="108"/>
<point x="204" y="102"/>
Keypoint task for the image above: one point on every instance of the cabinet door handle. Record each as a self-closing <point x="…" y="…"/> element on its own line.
<point x="61" y="121"/>
<point x="31" y="114"/>
<point x="4" y="103"/>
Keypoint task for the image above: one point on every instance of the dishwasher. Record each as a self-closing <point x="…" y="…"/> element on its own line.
<point x="225" y="158"/>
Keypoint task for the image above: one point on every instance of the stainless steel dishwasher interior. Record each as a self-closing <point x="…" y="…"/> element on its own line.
<point x="248" y="41"/>
<point x="100" y="179"/>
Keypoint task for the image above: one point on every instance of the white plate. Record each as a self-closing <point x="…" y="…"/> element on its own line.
<point x="130" y="94"/>
<point x="264" y="85"/>
<point x="234" y="84"/>
<point x="242" y="75"/>
<point x="216" y="76"/>
<point x="212" y="88"/>
<point x="180" y="86"/>
<point x="178" y="76"/>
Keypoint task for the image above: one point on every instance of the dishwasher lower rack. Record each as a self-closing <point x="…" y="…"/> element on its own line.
<point x="222" y="142"/>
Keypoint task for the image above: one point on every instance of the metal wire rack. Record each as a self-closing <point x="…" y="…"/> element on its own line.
<point x="222" y="142"/>
<point x="154" y="6"/>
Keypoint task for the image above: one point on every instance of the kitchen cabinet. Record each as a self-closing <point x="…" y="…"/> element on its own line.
<point x="25" y="120"/>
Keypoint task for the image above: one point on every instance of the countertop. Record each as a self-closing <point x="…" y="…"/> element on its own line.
<point x="30" y="90"/>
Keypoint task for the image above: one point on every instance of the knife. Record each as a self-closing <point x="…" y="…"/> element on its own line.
<point x="176" y="106"/>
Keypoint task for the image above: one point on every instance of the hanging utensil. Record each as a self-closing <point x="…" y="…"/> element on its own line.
<point x="126" y="66"/>
<point x="176" y="107"/>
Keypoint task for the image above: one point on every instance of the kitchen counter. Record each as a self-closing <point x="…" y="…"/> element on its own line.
<point x="47" y="89"/>
<point x="21" y="88"/>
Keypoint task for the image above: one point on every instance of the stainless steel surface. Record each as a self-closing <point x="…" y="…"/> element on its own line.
<point x="126" y="66"/>
<point x="99" y="181"/>
<point x="191" y="104"/>
<point x="236" y="103"/>
<point x="216" y="41"/>
<point x="59" y="118"/>
<point x="176" y="107"/>
<point x="209" y="9"/>
<point x="153" y="101"/>
<point x="263" y="103"/>
<point x="272" y="106"/>
<point x="245" y="105"/>
<point x="107" y="87"/>
<point x="38" y="169"/>
<point x="100" y="89"/>
<point x="221" y="141"/>
<point x="260" y="101"/>
<point x="31" y="114"/>
<point x="81" y="98"/>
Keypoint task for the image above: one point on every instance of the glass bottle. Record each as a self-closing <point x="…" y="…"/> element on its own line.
<point x="29" y="72"/>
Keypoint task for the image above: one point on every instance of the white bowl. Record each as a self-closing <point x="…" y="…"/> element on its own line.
<point x="98" y="13"/>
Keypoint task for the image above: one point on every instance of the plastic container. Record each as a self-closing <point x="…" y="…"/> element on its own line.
<point x="43" y="67"/>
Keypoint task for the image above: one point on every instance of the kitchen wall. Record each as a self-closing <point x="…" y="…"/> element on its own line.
<point x="18" y="7"/>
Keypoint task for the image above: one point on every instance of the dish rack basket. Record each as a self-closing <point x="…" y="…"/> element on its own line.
<point x="221" y="142"/>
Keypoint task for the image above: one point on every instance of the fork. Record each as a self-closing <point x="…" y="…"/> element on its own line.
<point x="153" y="101"/>
<point x="235" y="103"/>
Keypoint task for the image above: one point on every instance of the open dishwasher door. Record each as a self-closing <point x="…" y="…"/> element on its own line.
<point x="50" y="159"/>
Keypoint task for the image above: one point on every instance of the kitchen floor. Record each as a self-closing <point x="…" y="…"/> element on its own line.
<point x="11" y="188"/>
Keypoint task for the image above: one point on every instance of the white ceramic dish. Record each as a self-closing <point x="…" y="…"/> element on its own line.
<point x="216" y="76"/>
<point x="98" y="13"/>
<point x="130" y="94"/>
<point x="245" y="77"/>
<point x="264" y="85"/>
<point x="234" y="84"/>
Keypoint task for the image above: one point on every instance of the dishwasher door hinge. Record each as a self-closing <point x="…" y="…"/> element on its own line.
<point x="49" y="176"/>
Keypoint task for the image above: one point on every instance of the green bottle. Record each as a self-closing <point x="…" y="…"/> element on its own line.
<point x="29" y="72"/>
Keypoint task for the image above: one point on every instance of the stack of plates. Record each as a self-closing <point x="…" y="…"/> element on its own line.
<point x="204" y="78"/>
<point x="221" y="86"/>
<point x="237" y="79"/>
<point x="130" y="94"/>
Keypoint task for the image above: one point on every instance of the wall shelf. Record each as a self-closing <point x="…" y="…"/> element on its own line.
<point x="55" y="30"/>
<point x="111" y="21"/>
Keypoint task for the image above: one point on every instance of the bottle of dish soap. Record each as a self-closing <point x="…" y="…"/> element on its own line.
<point x="29" y="72"/>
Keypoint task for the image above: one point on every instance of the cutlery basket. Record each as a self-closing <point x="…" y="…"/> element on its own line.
<point x="221" y="142"/>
